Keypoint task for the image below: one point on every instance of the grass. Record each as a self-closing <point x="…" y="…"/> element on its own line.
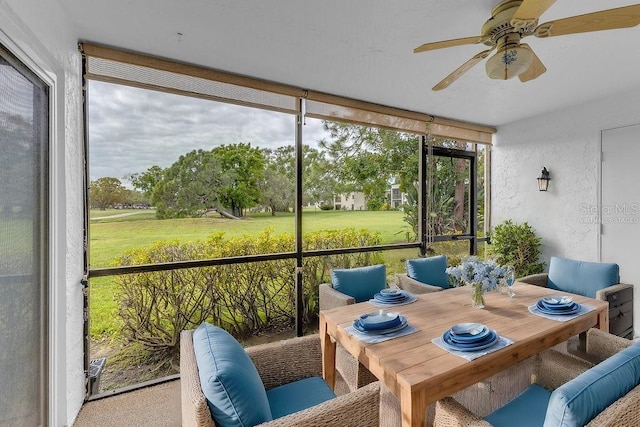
<point x="114" y="231"/>
<point x="110" y="237"/>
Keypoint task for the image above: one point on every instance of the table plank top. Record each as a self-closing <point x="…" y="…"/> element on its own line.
<point x="413" y="362"/>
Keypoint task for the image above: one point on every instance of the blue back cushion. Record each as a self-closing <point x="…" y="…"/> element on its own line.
<point x="578" y="401"/>
<point x="580" y="277"/>
<point x="298" y="395"/>
<point x="361" y="283"/>
<point x="229" y="379"/>
<point x="429" y="270"/>
<point x="526" y="410"/>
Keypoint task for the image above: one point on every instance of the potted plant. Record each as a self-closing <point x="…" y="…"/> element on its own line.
<point x="516" y="245"/>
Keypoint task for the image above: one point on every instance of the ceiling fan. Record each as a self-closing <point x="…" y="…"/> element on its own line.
<point x="513" y="20"/>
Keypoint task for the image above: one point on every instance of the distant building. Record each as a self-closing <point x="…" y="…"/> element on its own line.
<point x="396" y="197"/>
<point x="355" y="201"/>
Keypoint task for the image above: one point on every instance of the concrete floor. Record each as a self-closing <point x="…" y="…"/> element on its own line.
<point x="157" y="405"/>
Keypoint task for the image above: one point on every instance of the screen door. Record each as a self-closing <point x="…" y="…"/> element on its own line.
<point x="24" y="124"/>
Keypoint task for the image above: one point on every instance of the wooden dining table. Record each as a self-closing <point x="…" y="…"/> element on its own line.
<point x="419" y="372"/>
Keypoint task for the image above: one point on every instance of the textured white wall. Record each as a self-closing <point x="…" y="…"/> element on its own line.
<point x="567" y="142"/>
<point x="39" y="34"/>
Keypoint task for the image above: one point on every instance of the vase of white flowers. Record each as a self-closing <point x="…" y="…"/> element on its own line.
<point x="477" y="295"/>
<point x="481" y="276"/>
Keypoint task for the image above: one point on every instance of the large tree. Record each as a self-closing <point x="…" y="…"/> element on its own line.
<point x="225" y="177"/>
<point x="243" y="168"/>
<point x="278" y="186"/>
<point x="106" y="192"/>
<point x="189" y="187"/>
<point x="147" y="180"/>
<point x="367" y="159"/>
<point x="319" y="183"/>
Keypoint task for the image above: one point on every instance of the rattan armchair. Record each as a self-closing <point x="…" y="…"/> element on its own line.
<point x="404" y="282"/>
<point x="549" y="369"/>
<point x="594" y="280"/>
<point x="350" y="286"/>
<point x="603" y="294"/>
<point x="354" y="374"/>
<point x="424" y="275"/>
<point x="281" y="363"/>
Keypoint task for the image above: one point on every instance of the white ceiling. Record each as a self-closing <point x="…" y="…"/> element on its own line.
<point x="364" y="49"/>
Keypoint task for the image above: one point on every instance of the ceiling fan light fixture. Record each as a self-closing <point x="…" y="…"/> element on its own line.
<point x="509" y="61"/>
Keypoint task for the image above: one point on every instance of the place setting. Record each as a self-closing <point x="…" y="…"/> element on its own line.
<point x="380" y="326"/>
<point x="471" y="340"/>
<point x="559" y="307"/>
<point x="392" y="297"/>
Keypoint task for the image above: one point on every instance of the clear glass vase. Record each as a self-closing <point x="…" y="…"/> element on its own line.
<point x="477" y="295"/>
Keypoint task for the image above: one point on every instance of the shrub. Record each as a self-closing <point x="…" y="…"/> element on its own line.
<point x="516" y="245"/>
<point x="242" y="298"/>
<point x="156" y="306"/>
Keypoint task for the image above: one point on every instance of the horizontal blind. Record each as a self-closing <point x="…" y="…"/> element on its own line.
<point x="139" y="70"/>
<point x="166" y="81"/>
<point x="325" y="111"/>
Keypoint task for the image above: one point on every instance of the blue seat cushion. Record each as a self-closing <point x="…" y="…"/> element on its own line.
<point x="298" y="395"/>
<point x="578" y="401"/>
<point x="229" y="379"/>
<point x="526" y="410"/>
<point x="361" y="283"/>
<point x="580" y="277"/>
<point x="431" y="271"/>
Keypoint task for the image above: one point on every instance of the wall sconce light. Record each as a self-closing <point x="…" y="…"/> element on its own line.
<point x="543" y="180"/>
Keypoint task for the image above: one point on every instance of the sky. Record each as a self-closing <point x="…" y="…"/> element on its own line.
<point x="132" y="129"/>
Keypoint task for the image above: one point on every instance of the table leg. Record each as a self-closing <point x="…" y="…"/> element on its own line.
<point x="328" y="354"/>
<point x="413" y="408"/>
<point x="603" y="320"/>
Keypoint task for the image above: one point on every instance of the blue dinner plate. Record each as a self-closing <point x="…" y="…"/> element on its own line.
<point x="543" y="305"/>
<point x="487" y="342"/>
<point x="573" y="309"/>
<point x="469" y="332"/>
<point x="357" y="325"/>
<point x="392" y="299"/>
<point x="389" y="299"/>
<point x="388" y="292"/>
<point x="557" y="301"/>
<point x="379" y="320"/>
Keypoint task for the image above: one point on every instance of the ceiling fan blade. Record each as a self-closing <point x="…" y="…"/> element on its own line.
<point x="448" y="43"/>
<point x="535" y="70"/>
<point x="529" y="12"/>
<point x="461" y="70"/>
<point x="622" y="17"/>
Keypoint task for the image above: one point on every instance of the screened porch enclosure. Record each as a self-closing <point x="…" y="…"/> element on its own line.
<point x="331" y="148"/>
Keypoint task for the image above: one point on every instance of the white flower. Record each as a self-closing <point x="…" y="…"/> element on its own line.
<point x="471" y="270"/>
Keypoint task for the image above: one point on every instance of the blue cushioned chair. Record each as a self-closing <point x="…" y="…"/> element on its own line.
<point x="350" y="286"/>
<point x="424" y="275"/>
<point x="598" y="280"/>
<point x="591" y="279"/>
<point x="280" y="384"/>
<point x="567" y="391"/>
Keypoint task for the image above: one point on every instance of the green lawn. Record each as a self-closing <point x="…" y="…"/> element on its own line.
<point x="109" y="238"/>
<point x="114" y="231"/>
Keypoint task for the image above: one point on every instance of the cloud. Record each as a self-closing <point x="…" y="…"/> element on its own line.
<point x="132" y="129"/>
